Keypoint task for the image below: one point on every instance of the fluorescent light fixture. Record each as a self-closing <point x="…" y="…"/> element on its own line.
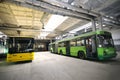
<point x="54" y="22"/>
<point x="88" y="25"/>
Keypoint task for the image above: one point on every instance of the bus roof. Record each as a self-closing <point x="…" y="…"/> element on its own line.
<point x="85" y="35"/>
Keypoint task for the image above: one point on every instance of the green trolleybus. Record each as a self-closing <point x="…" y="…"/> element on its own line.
<point x="20" y="49"/>
<point x="93" y="45"/>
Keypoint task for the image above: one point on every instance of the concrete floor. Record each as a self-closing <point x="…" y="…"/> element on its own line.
<point x="48" y="66"/>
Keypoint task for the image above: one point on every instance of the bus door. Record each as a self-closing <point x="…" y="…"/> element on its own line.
<point x="56" y="47"/>
<point x="67" y="47"/>
<point x="53" y="46"/>
<point x="90" y="47"/>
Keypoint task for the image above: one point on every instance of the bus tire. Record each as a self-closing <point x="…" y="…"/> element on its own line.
<point x="61" y="52"/>
<point x="81" y="55"/>
<point x="29" y="61"/>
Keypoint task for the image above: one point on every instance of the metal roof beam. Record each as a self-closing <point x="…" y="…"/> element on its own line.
<point x="72" y="7"/>
<point x="46" y="7"/>
<point x="15" y="28"/>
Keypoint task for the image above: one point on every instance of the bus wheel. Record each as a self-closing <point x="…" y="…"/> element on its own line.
<point x="81" y="55"/>
<point x="61" y="52"/>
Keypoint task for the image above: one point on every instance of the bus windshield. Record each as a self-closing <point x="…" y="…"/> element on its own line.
<point x="105" y="41"/>
<point x="20" y="45"/>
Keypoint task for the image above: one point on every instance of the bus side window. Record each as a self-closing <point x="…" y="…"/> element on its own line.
<point x="73" y="43"/>
<point x="59" y="44"/>
<point x="62" y="44"/>
<point x="80" y="42"/>
<point x="83" y="43"/>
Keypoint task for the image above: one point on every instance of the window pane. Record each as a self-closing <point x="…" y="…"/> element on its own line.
<point x="73" y="43"/>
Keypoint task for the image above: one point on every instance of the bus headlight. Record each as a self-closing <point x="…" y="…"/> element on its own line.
<point x="100" y="45"/>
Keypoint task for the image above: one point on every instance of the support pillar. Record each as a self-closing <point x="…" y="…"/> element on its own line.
<point x="100" y="23"/>
<point x="93" y="25"/>
<point x="51" y="41"/>
<point x="94" y="46"/>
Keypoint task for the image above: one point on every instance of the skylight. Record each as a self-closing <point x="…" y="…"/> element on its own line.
<point x="2" y="34"/>
<point x="88" y="25"/>
<point x="54" y="22"/>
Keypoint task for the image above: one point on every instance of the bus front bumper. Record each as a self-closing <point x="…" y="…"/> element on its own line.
<point x="107" y="57"/>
